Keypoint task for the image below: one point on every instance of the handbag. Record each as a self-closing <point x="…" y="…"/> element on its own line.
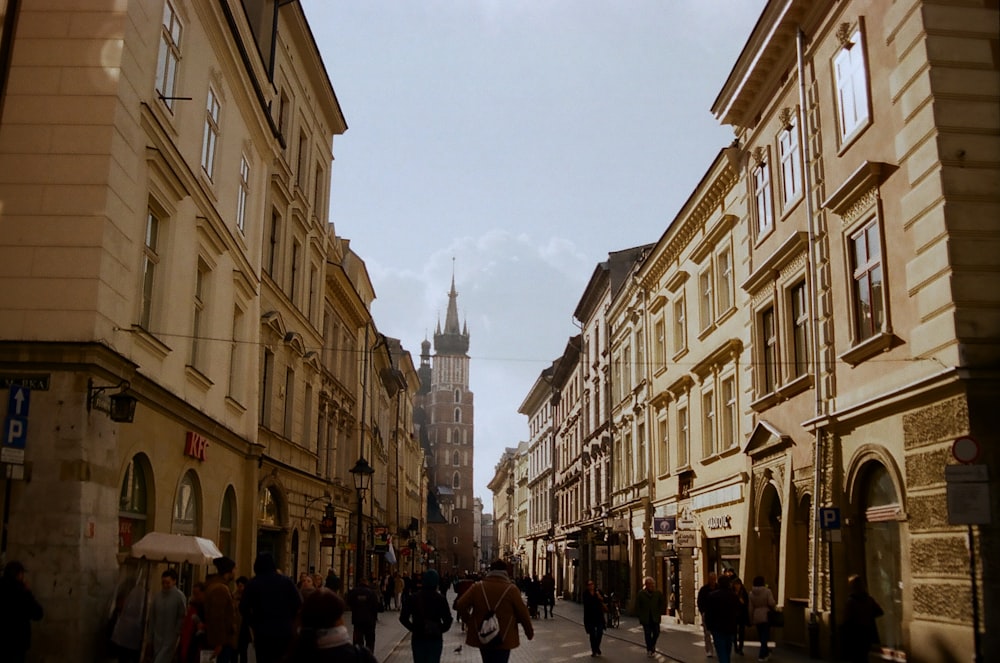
<point x="775" y="618"/>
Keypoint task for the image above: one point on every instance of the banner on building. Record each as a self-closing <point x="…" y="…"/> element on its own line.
<point x="381" y="544"/>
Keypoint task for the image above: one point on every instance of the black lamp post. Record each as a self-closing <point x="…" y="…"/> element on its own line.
<point x="362" y="473"/>
<point x="607" y="548"/>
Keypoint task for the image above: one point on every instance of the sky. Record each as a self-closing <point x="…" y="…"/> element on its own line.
<point x="514" y="144"/>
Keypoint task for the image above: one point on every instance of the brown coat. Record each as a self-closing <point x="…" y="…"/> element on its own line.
<point x="510" y="611"/>
<point x="220" y="614"/>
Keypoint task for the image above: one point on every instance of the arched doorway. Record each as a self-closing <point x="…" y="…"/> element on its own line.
<point x="767" y="529"/>
<point x="270" y="531"/>
<point x="880" y="512"/>
<point x="134" y="502"/>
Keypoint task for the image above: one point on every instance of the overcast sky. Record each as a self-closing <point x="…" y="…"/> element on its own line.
<point x="518" y="142"/>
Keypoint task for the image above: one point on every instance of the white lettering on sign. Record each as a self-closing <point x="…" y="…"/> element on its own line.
<point x="196" y="446"/>
<point x="720" y="522"/>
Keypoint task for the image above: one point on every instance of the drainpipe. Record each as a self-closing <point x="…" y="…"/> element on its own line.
<point x="814" y="598"/>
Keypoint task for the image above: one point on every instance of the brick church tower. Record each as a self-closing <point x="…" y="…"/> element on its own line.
<point x="444" y="418"/>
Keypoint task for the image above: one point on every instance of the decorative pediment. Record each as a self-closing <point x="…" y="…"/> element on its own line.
<point x="295" y="341"/>
<point x="765" y="439"/>
<point x="273" y="320"/>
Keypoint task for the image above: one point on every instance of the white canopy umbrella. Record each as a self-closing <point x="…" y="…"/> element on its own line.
<point x="177" y="548"/>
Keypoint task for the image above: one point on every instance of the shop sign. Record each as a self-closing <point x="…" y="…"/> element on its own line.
<point x="381" y="543"/>
<point x="665" y="526"/>
<point x="719" y="522"/>
<point x="196" y="446"/>
<point x="686" y="539"/>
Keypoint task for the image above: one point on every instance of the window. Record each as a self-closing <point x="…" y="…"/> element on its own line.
<point x="318" y="190"/>
<point x="168" y="56"/>
<point x="729" y="423"/>
<point x="458" y="415"/>
<point x="186" y="506"/>
<point x="851" y="80"/>
<point x="705" y="298"/>
<point x="683" y="459"/>
<point x="454" y="459"/>
<point x="227" y="524"/>
<point x="708" y="423"/>
<point x="791" y="163"/>
<point x="640" y="357"/>
<point x="150" y="262"/>
<point x="725" y="283"/>
<point x="458" y="396"/>
<point x="236" y="355"/>
<point x="266" y="388"/>
<point x="133" y="505"/>
<point x="243" y="194"/>
<point x="302" y="167"/>
<point x="640" y="441"/>
<point x="294" y="285"/>
<point x="273" y="242"/>
<point x="664" y="444"/>
<point x="868" y="300"/>
<point x="311" y="295"/>
<point x="309" y="440"/>
<point x="456" y="480"/>
<point x="659" y="344"/>
<point x="769" y="354"/>
<point x="288" y="416"/>
<point x="211" y="137"/>
<point x="800" y="329"/>
<point x="762" y="198"/>
<point x="199" y="317"/>
<point x="680" y="326"/>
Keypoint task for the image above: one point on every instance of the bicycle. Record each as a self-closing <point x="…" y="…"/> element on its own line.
<point x="614" y="611"/>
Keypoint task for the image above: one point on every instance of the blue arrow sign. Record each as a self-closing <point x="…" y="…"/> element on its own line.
<point x="19" y="401"/>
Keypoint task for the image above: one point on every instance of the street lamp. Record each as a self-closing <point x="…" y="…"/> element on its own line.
<point x="362" y="473"/>
<point x="607" y="549"/>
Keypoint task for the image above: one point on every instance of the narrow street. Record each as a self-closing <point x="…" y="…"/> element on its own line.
<point x="562" y="639"/>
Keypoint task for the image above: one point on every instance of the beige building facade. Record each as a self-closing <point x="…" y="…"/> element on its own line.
<point x="164" y="171"/>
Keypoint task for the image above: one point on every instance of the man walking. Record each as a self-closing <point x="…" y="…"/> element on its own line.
<point x="703" y="592"/>
<point x="166" y="614"/>
<point x="220" y="611"/>
<point x="18" y="608"/>
<point x="270" y="605"/>
<point x="649" y="605"/>
<point x="495" y="594"/>
<point x="364" y="604"/>
<point x="721" y="614"/>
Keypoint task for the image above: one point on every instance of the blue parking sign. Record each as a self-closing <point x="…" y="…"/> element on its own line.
<point x="829" y="518"/>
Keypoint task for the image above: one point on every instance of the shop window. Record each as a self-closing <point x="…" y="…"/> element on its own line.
<point x="133" y="503"/>
<point x="227" y="524"/>
<point x="187" y="506"/>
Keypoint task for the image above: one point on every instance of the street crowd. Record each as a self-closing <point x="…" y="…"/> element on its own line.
<point x="270" y="618"/>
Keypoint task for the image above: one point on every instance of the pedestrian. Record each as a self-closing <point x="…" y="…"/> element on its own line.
<point x="427" y="616"/>
<point x="221" y="630"/>
<point x="743" y="617"/>
<point x="461" y="587"/>
<point x="323" y="637"/>
<point x="364" y="605"/>
<point x="306" y="586"/>
<point x="166" y="616"/>
<point x="859" y="629"/>
<point x="126" y="636"/>
<point x="397" y="590"/>
<point x="721" y="610"/>
<point x="497" y="594"/>
<point x="18" y="608"/>
<point x="193" y="627"/>
<point x="332" y="580"/>
<point x="243" y="639"/>
<point x="711" y="582"/>
<point x="761" y="604"/>
<point x="548" y="595"/>
<point x="650" y="604"/>
<point x="270" y="606"/>
<point x="534" y="591"/>
<point x="594" y="610"/>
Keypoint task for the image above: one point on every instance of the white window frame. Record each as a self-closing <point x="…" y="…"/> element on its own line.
<point x="706" y="308"/>
<point x="243" y="194"/>
<point x="862" y="278"/>
<point x="210" y="138"/>
<point x="729" y="429"/>
<point x="680" y="325"/>
<point x="199" y="317"/>
<point x="850" y="74"/>
<point x="169" y="55"/>
<point x="763" y="205"/>
<point x="724" y="289"/>
<point x="790" y="157"/>
<point x="708" y="423"/>
<point x="798" y="319"/>
<point x="150" y="264"/>
<point x="683" y="436"/>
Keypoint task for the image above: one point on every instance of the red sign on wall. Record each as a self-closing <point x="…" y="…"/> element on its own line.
<point x="196" y="446"/>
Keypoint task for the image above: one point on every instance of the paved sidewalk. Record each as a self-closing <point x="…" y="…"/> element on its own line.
<point x="562" y="639"/>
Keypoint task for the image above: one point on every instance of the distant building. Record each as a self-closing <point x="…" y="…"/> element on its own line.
<point x="444" y="418"/>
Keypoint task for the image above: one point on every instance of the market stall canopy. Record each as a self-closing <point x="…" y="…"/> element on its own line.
<point x="161" y="547"/>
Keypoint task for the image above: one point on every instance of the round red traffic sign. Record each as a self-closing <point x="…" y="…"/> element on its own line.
<point x="965" y="449"/>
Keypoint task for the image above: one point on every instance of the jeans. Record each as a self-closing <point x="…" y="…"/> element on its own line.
<point x="764" y="634"/>
<point x="723" y="645"/>
<point x="651" y="632"/>
<point x="596" y="634"/>
<point x="427" y="651"/>
<point x="491" y="655"/>
<point x="707" y="635"/>
<point x="365" y="635"/>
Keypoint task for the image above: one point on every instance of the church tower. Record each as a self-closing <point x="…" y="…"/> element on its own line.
<point x="445" y="418"/>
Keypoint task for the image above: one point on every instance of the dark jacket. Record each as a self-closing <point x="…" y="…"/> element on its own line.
<point x="593" y="611"/>
<point x="270" y="602"/>
<point x="18" y="608"/>
<point x="649" y="605"/>
<point x="426" y="615"/>
<point x="859" y="629"/>
<point x="364" y="604"/>
<point x="703" y="593"/>
<point x="722" y="611"/>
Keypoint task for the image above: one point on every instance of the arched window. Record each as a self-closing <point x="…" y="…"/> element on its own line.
<point x="883" y="567"/>
<point x="458" y="415"/>
<point x="133" y="503"/>
<point x="456" y="480"/>
<point x="458" y="396"/>
<point x="187" y="506"/>
<point x="227" y="524"/>
<point x="268" y="508"/>
<point x="454" y="458"/>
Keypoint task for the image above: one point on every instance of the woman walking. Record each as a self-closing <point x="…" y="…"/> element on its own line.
<point x="761" y="603"/>
<point x="593" y="616"/>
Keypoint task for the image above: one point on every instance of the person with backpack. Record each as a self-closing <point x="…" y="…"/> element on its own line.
<point x="323" y="637"/>
<point x="427" y="616"/>
<point x="491" y="609"/>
